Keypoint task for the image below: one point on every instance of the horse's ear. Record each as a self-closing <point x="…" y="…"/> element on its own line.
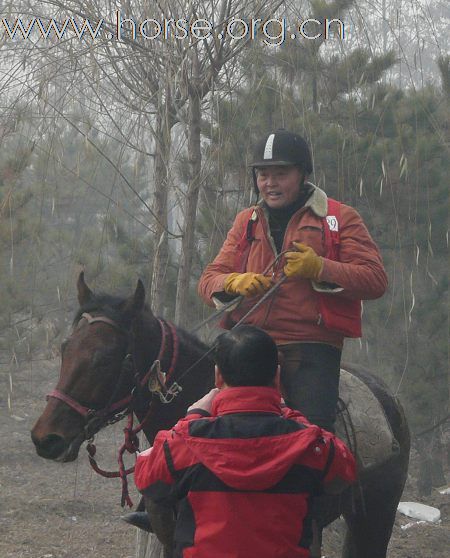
<point x="136" y="302"/>
<point x="84" y="292"/>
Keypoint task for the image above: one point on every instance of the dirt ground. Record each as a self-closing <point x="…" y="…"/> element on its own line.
<point x="52" y="510"/>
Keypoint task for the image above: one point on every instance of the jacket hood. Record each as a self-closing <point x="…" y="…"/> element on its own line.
<point x="252" y="463"/>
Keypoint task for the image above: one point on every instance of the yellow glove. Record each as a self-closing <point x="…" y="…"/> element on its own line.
<point x="246" y="284"/>
<point x="305" y="263"/>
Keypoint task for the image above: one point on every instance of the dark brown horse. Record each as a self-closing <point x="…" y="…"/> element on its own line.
<point x="104" y="371"/>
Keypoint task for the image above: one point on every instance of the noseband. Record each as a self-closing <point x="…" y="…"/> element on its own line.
<point x="116" y="410"/>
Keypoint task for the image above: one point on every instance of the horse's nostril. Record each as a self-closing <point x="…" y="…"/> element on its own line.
<point x="50" y="447"/>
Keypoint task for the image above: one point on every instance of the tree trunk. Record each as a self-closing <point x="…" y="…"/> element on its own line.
<point x="195" y="161"/>
<point x="161" y="165"/>
<point x="437" y="467"/>
<point x="314" y="93"/>
<point x="424" y="482"/>
<point x="147" y="545"/>
<point x="213" y="197"/>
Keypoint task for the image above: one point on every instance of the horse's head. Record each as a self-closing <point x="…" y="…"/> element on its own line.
<point x="95" y="379"/>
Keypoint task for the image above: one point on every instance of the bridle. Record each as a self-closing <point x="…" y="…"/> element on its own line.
<point x="110" y="411"/>
<point x="114" y="411"/>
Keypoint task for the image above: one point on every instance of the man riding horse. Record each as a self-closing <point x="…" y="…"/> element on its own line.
<point x="321" y="260"/>
<point x="325" y="258"/>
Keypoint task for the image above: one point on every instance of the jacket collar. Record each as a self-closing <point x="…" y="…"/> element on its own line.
<point x="317" y="201"/>
<point x="247" y="400"/>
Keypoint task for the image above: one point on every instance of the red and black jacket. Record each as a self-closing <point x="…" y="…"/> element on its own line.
<point x="243" y="478"/>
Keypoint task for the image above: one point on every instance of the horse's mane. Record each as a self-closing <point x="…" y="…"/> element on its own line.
<point x="191" y="340"/>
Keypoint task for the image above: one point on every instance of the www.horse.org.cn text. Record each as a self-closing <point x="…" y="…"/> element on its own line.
<point x="272" y="31"/>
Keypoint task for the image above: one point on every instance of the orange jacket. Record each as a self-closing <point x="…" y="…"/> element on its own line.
<point x="292" y="313"/>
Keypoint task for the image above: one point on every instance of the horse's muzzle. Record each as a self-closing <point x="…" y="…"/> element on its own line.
<point x="55" y="447"/>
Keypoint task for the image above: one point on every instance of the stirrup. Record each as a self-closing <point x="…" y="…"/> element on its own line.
<point x="138" y="519"/>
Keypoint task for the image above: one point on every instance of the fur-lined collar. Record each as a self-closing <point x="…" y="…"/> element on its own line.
<point x="317" y="201"/>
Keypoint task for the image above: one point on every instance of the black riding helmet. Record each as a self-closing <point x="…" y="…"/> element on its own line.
<point x="281" y="148"/>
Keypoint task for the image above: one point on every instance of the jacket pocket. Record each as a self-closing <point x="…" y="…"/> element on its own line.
<point x="340" y="314"/>
<point x="311" y="236"/>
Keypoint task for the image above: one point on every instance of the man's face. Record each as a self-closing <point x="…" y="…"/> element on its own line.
<point x="279" y="186"/>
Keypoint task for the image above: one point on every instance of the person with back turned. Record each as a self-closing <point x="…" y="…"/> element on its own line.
<point x="241" y="468"/>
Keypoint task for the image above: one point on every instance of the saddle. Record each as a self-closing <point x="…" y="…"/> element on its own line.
<point x="362" y="423"/>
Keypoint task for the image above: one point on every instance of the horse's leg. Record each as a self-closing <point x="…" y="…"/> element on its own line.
<point x="369" y="524"/>
<point x="325" y="509"/>
<point x="316" y="546"/>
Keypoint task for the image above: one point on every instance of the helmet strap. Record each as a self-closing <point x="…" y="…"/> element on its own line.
<point x="255" y="185"/>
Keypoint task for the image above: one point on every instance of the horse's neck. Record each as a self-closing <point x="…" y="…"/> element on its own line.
<point x="193" y="369"/>
<point x="192" y="354"/>
<point x="144" y="346"/>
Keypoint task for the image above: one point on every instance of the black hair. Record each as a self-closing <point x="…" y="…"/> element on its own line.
<point x="246" y="356"/>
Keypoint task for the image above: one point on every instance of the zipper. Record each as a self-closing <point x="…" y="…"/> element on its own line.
<point x="300" y="211"/>
<point x="266" y="229"/>
<point x="265" y="224"/>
